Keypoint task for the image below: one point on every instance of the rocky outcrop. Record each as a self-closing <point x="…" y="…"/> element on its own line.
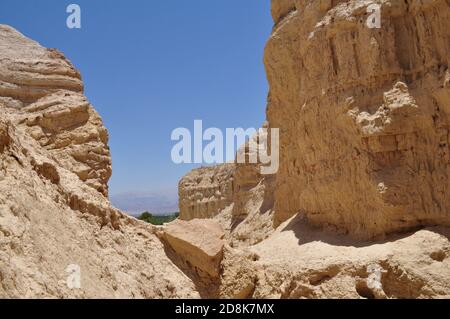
<point x="358" y="208"/>
<point x="54" y="216"/>
<point x="47" y="92"/>
<point x="199" y="242"/>
<point x="252" y="214"/>
<point x="363" y="113"/>
<point x="206" y="191"/>
<point x="236" y="195"/>
<point x="299" y="261"/>
<point x="281" y="8"/>
<point x="30" y="72"/>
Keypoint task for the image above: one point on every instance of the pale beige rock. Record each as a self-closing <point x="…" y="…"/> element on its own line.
<point x="281" y="8"/>
<point x="363" y="115"/>
<point x="29" y="71"/>
<point x="240" y="274"/>
<point x="364" y="118"/>
<point x="235" y="194"/>
<point x="252" y="214"/>
<point x="47" y="92"/>
<point x="359" y="208"/>
<point x="204" y="192"/>
<point x="199" y="242"/>
<point x="299" y="261"/>
<point x="54" y="165"/>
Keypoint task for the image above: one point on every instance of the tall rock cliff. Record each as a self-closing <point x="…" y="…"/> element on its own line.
<point x="235" y="194"/>
<point x="364" y="114"/>
<point x="206" y="191"/>
<point x="359" y="207"/>
<point x="54" y="213"/>
<point x="47" y="92"/>
<point x="364" y="125"/>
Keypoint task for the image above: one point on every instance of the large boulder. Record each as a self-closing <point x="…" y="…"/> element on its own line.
<point x="199" y="242"/>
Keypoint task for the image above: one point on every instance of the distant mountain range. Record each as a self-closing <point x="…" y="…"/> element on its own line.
<point x="135" y="203"/>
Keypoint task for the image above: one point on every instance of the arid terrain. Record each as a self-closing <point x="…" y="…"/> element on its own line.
<point x="360" y="206"/>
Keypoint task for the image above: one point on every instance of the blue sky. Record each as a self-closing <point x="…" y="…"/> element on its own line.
<point x="150" y="66"/>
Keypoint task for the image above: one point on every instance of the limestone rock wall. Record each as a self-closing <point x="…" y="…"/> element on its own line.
<point x="281" y="8"/>
<point x="204" y="192"/>
<point x="363" y="114"/>
<point x="47" y="92"/>
<point x="235" y="194"/>
<point x="54" y="165"/>
<point x="252" y="215"/>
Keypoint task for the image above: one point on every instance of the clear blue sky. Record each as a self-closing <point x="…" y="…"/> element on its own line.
<point x="150" y="66"/>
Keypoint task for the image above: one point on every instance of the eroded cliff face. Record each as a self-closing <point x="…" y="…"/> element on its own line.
<point x="47" y="93"/>
<point x="359" y="207"/>
<point x="54" y="168"/>
<point x="281" y="8"/>
<point x="205" y="192"/>
<point x="235" y="194"/>
<point x="363" y="113"/>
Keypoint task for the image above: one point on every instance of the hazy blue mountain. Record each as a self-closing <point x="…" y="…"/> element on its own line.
<point x="158" y="203"/>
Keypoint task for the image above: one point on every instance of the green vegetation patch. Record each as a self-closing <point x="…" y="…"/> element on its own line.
<point x="158" y="220"/>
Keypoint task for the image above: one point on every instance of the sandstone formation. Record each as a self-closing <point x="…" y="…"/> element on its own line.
<point x="364" y="146"/>
<point x="363" y="114"/>
<point x="198" y="242"/>
<point x="236" y="195"/>
<point x="358" y="209"/>
<point x="281" y="9"/>
<point x="360" y="205"/>
<point x="47" y="91"/>
<point x="252" y="213"/>
<point x="54" y="168"/>
<point x="299" y="261"/>
<point x="206" y="191"/>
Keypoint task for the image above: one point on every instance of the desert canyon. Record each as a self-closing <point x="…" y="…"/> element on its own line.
<point x="360" y="207"/>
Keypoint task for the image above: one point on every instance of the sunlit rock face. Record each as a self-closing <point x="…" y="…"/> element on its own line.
<point x="47" y="92"/>
<point x="204" y="192"/>
<point x="363" y="112"/>
<point x="55" y="217"/>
